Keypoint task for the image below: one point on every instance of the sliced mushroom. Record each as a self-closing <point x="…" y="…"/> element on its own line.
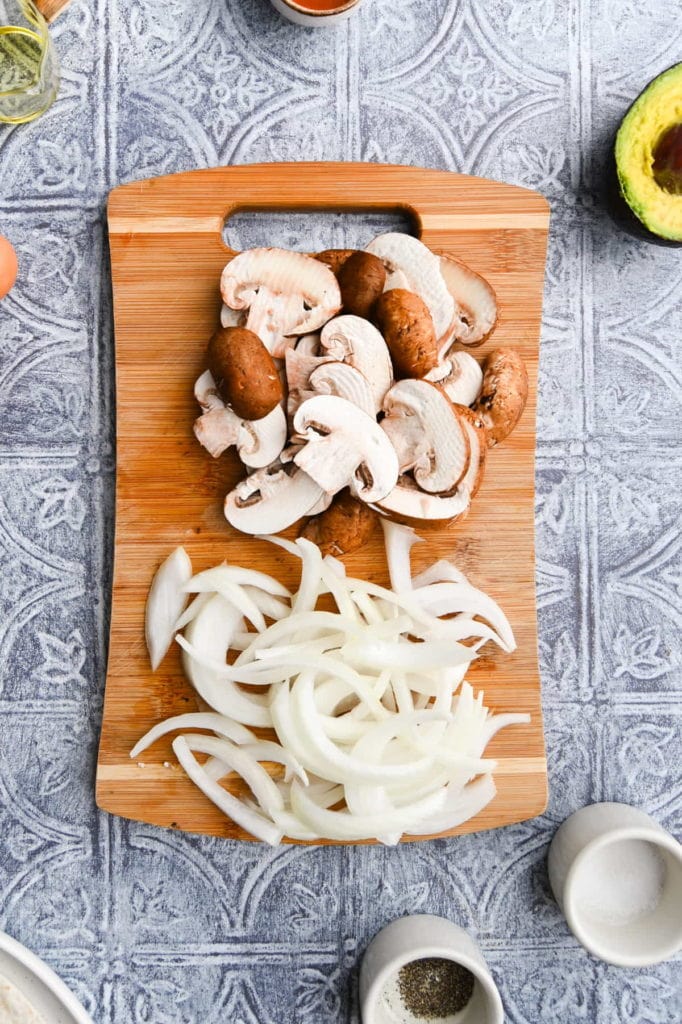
<point x="411" y="265"/>
<point x="232" y="317"/>
<point x="407" y="501"/>
<point x="476" y="301"/>
<point x="308" y="345"/>
<point x="261" y="441"/>
<point x="285" y="293"/>
<point x="361" y="279"/>
<point x="343" y="528"/>
<point x="271" y="499"/>
<point x="344" y="448"/>
<point x="345" y="381"/>
<point x="405" y="322"/>
<point x="504" y="393"/>
<point x="428" y="436"/>
<point x="352" y="340"/>
<point x="460" y="377"/>
<point x="300" y="365"/>
<point x="244" y="372"/>
<point x="218" y="428"/>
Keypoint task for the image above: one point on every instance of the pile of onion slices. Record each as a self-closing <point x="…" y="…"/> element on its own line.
<point x="374" y="732"/>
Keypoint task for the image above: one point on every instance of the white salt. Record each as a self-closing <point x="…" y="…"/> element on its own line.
<point x="621" y="882"/>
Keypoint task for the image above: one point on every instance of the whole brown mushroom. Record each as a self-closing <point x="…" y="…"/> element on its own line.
<point x="361" y="279"/>
<point x="345" y="526"/>
<point x="504" y="393"/>
<point x="244" y="372"/>
<point x="406" y="324"/>
<point x="335" y="258"/>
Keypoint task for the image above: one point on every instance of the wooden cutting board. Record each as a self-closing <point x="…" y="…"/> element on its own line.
<point x="167" y="254"/>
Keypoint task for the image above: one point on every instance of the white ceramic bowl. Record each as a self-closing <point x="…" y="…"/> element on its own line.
<point x="412" y="938"/>
<point x="298" y="13"/>
<point x="39" y="984"/>
<point x="586" y="867"/>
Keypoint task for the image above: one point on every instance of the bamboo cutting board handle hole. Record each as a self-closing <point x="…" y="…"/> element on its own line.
<point x="314" y="230"/>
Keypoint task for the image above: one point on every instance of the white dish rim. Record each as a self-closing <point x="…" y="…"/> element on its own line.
<point x="46" y="975"/>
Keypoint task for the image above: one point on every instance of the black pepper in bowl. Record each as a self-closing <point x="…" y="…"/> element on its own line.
<point x="434" y="987"/>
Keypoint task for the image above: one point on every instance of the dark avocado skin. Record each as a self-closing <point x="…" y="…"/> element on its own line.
<point x="614" y="203"/>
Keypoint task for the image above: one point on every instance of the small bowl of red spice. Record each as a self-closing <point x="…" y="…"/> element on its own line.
<point x="423" y="969"/>
<point x="316" y="13"/>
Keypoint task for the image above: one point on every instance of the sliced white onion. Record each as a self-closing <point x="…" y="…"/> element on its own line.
<point x="249" y="820"/>
<point x="165" y="603"/>
<point x="398" y="541"/>
<point x="220" y="724"/>
<point x="369" y="703"/>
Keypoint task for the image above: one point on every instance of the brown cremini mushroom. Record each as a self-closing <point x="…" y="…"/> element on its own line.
<point x="503" y="393"/>
<point x="343" y="528"/>
<point x="245" y="373"/>
<point x="361" y="280"/>
<point x="405" y="322"/>
<point x="334" y="258"/>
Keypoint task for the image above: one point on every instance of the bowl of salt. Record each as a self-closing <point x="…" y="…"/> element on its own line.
<point x="617" y="876"/>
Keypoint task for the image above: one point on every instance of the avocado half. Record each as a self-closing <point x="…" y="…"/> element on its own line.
<point x="648" y="156"/>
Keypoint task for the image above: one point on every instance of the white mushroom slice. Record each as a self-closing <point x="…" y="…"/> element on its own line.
<point x="460" y="377"/>
<point x="271" y="499"/>
<point x="322" y="505"/>
<point x="284" y="292"/>
<point x="345" y="448"/>
<point x="352" y="340"/>
<point x="427" y="434"/>
<point x="411" y="264"/>
<point x="206" y="393"/>
<point x="299" y="366"/>
<point x="231" y="317"/>
<point x="346" y="382"/>
<point x="476" y="301"/>
<point x="308" y="345"/>
<point x="260" y="441"/>
<point x="217" y="430"/>
<point x="408" y="502"/>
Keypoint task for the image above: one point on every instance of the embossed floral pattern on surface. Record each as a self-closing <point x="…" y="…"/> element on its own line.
<point x="158" y="927"/>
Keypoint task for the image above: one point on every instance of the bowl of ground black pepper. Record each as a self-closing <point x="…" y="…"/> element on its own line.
<point x="423" y="969"/>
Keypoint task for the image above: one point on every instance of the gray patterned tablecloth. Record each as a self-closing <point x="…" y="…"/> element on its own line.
<point x="154" y="927"/>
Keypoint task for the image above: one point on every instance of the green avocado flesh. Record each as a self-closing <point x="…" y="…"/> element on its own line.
<point x="649" y="155"/>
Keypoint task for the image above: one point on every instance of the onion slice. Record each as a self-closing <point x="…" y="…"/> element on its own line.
<point x="165" y="603"/>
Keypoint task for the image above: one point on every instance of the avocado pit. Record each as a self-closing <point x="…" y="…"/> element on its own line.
<point x="667" y="166"/>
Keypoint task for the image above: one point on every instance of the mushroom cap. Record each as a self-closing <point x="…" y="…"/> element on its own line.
<point x="476" y="313"/>
<point x="361" y="279"/>
<point x="405" y="322"/>
<point x="428" y="435"/>
<point x="418" y="270"/>
<point x="504" y="393"/>
<point x="343" y="528"/>
<point x="271" y="499"/>
<point x="344" y="447"/>
<point x="352" y="340"/>
<point x="334" y="258"/>
<point x="460" y="377"/>
<point x="244" y="371"/>
<point x="219" y="428"/>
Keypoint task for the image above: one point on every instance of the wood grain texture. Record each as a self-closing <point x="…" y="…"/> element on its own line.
<point x="167" y="253"/>
<point x="50" y="9"/>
